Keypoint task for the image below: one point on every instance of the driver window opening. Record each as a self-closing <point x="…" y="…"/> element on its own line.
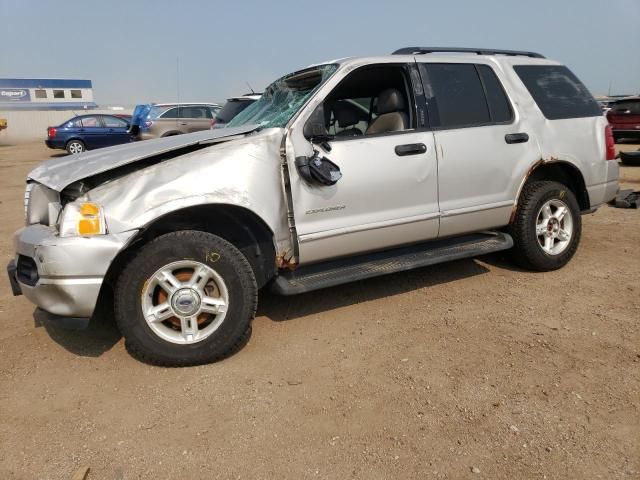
<point x="371" y="100"/>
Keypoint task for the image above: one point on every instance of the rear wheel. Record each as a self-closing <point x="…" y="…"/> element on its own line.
<point x="187" y="298"/>
<point x="75" y="146"/>
<point x="547" y="227"/>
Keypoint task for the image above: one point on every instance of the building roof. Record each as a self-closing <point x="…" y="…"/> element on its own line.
<point x="43" y="83"/>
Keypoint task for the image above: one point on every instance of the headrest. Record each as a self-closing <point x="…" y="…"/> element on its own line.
<point x="346" y="114"/>
<point x="390" y="100"/>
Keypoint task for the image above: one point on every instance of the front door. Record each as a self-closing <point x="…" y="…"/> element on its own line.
<point x="388" y="193"/>
<point x="117" y="130"/>
<point x="92" y="131"/>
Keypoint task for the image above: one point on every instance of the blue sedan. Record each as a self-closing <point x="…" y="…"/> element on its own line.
<point x="87" y="132"/>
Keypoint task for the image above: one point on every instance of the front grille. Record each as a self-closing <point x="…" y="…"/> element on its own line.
<point x="27" y="270"/>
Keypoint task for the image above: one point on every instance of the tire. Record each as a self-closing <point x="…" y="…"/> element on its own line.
<point x="533" y="226"/>
<point x="75" y="146"/>
<point x="168" y="338"/>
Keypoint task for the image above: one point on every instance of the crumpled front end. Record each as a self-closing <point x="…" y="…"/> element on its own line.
<point x="63" y="275"/>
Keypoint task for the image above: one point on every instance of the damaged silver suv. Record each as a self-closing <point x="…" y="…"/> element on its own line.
<point x="341" y="171"/>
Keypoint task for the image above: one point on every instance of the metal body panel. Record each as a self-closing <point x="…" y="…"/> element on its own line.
<point x="395" y="196"/>
<point x="60" y="172"/>
<point x="243" y="173"/>
<point x="478" y="172"/>
<point x="70" y="269"/>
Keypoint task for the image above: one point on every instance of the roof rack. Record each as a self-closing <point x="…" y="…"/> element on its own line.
<point x="478" y="51"/>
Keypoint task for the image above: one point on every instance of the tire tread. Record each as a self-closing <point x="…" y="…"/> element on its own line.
<point x="245" y="275"/>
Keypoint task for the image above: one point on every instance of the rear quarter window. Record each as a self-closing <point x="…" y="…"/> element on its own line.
<point x="558" y="92"/>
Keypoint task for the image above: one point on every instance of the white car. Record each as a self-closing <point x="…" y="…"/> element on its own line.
<point x="339" y="172"/>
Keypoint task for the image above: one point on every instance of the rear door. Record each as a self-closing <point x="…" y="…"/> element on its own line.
<point x="194" y="118"/>
<point x="484" y="147"/>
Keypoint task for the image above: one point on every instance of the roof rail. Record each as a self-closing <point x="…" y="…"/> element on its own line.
<point x="477" y="51"/>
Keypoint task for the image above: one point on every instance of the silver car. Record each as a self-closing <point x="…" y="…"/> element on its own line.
<point x="339" y="172"/>
<point x="168" y="119"/>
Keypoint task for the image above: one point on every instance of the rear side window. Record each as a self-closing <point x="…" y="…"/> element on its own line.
<point x="455" y="95"/>
<point x="195" y="112"/>
<point x="114" y="122"/>
<point x="499" y="105"/>
<point x="558" y="92"/>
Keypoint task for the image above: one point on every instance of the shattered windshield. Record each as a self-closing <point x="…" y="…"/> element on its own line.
<point x="283" y="98"/>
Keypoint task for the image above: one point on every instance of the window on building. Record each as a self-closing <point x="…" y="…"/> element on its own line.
<point x="76" y="93"/>
<point x="58" y="94"/>
<point x="41" y="93"/>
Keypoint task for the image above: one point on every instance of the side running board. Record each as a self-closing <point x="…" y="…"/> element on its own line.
<point x="337" y="272"/>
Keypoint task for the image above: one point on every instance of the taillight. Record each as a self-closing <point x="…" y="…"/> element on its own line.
<point x="610" y="143"/>
<point x="51" y="132"/>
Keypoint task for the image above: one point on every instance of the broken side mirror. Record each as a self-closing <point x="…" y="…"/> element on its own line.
<point x="319" y="170"/>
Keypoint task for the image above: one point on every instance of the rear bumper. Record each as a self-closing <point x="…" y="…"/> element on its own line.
<point x="63" y="276"/>
<point x="606" y="191"/>
<point x="54" y="143"/>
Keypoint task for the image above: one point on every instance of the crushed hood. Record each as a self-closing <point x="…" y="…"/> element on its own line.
<point x="58" y="173"/>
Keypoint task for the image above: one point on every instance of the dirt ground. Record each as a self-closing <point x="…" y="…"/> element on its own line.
<point x="472" y="369"/>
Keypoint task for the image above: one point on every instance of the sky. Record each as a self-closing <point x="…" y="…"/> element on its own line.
<point x="138" y="51"/>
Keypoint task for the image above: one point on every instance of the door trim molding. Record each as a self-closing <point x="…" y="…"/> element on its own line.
<point x="479" y="208"/>
<point x="366" y="226"/>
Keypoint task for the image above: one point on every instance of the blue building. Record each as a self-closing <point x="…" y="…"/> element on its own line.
<point x="45" y="94"/>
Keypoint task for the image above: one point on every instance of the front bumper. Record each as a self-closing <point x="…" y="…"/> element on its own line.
<point x="68" y="270"/>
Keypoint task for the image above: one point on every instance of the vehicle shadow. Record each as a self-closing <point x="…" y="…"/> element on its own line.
<point x="502" y="260"/>
<point x="278" y="308"/>
<point x="99" y="337"/>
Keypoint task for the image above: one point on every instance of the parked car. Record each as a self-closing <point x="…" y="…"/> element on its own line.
<point x="624" y="118"/>
<point x="167" y="119"/>
<point x="87" y="132"/>
<point x="232" y="108"/>
<point x="340" y="172"/>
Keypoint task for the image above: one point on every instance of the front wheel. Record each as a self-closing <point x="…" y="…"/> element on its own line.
<point x="187" y="298"/>
<point x="547" y="226"/>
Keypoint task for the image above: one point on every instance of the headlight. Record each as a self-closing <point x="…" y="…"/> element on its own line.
<point x="82" y="219"/>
